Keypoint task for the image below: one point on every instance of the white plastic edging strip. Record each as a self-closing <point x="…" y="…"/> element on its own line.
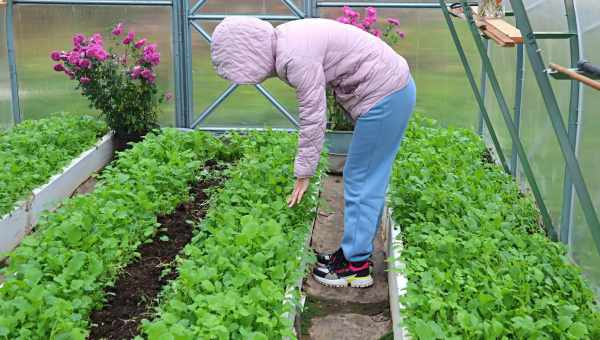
<point x="289" y="292"/>
<point x="15" y="225"/>
<point x="397" y="281"/>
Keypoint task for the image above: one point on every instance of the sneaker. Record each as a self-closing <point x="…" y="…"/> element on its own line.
<point x="344" y="274"/>
<point x="327" y="259"/>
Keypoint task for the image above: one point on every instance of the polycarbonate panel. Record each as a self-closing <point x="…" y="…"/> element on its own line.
<point x="537" y="133"/>
<point x="39" y="29"/>
<point x="504" y="61"/>
<point x="246" y="106"/>
<point x="443" y="91"/>
<point x="5" y="99"/>
<point x="583" y="249"/>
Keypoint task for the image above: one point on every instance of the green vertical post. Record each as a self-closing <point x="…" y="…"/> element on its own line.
<point x="539" y="70"/>
<point x="519" y="85"/>
<point x="482" y="90"/>
<point x="516" y="142"/>
<point x="473" y="83"/>
<point x="566" y="217"/>
<point x="12" y="63"/>
<point x="187" y="62"/>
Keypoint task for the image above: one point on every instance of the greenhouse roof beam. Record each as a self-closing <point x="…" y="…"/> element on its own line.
<point x="379" y="4"/>
<point x="96" y="2"/>
<point x="217" y="17"/>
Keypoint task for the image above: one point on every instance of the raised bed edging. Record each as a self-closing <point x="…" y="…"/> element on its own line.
<point x="397" y="281"/>
<point x="16" y="224"/>
<point x="293" y="316"/>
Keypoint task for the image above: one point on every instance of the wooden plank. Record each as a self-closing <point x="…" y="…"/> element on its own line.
<point x="507" y="29"/>
<point x="499" y="36"/>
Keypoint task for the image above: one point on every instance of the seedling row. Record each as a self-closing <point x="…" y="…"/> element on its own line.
<point x="247" y="249"/>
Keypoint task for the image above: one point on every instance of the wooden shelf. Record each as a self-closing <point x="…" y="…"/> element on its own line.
<point x="503" y="33"/>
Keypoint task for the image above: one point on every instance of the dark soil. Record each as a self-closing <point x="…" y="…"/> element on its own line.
<point x="122" y="141"/>
<point x="134" y="294"/>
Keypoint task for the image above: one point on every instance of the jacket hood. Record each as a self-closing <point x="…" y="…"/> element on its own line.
<point x="243" y="50"/>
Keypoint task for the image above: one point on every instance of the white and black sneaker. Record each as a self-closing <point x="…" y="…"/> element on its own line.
<point x="327" y="259"/>
<point x="343" y="274"/>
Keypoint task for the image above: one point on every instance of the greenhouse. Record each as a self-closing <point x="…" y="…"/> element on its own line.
<point x="209" y="169"/>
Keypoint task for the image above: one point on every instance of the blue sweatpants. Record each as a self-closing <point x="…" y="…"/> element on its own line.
<point x="377" y="137"/>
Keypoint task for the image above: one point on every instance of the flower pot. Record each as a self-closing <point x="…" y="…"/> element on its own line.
<point x="338" y="143"/>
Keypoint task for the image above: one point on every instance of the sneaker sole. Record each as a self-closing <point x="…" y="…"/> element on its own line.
<point x="359" y="282"/>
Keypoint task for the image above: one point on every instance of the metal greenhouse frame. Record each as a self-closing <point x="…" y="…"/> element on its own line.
<point x="187" y="21"/>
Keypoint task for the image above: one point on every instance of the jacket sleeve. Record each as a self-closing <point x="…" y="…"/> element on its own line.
<point x="309" y="80"/>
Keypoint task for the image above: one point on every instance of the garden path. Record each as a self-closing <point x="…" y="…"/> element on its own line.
<point x="344" y="313"/>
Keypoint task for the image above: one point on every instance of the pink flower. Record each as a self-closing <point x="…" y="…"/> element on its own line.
<point x="151" y="55"/>
<point x="96" y="52"/>
<point x="369" y="21"/>
<point x="73" y="58"/>
<point x="78" y="39"/>
<point x="136" y="71"/>
<point x="84" y="80"/>
<point x="118" y="29"/>
<point x="401" y="34"/>
<point x="140" y="43"/>
<point x="393" y="21"/>
<point x="168" y="96"/>
<point x="376" y="32"/>
<point x="59" y="68"/>
<point x="84" y="63"/>
<point x="129" y="38"/>
<point x="148" y="75"/>
<point x="97" y="39"/>
<point x="371" y="12"/>
<point x="343" y="20"/>
<point x="347" y="11"/>
<point x="55" y="55"/>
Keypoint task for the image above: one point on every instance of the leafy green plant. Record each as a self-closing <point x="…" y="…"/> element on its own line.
<point x="235" y="274"/>
<point x="118" y="80"/>
<point x="57" y="275"/>
<point x="478" y="263"/>
<point x="35" y="150"/>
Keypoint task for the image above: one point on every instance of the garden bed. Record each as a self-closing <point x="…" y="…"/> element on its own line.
<point x="35" y="153"/>
<point x="132" y="297"/>
<point x="247" y="245"/>
<point x="477" y="262"/>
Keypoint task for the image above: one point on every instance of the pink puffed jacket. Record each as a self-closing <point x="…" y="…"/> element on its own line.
<point x="309" y="55"/>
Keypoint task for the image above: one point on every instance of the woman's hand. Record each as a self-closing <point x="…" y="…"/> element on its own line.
<point x="299" y="189"/>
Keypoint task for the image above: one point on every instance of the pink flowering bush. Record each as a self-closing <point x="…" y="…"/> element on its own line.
<point x="119" y="81"/>
<point x="390" y="33"/>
